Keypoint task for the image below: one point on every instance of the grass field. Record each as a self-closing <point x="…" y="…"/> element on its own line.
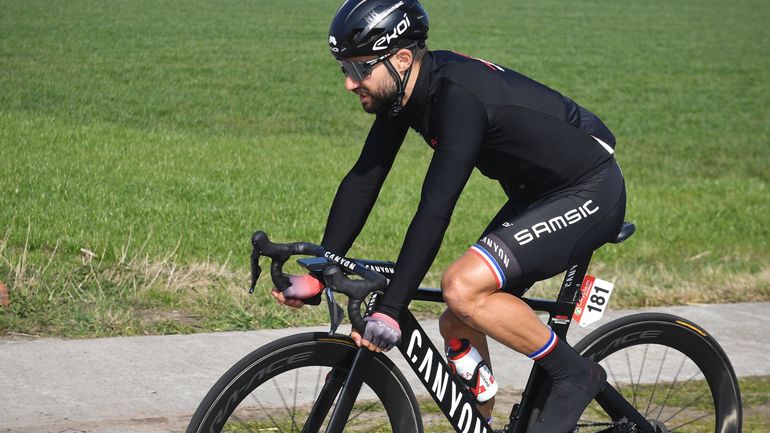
<point x="142" y="142"/>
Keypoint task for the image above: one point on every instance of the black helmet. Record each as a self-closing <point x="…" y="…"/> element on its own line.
<point x="376" y="27"/>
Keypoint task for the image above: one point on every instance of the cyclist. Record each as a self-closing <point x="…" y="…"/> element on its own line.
<point x="553" y="158"/>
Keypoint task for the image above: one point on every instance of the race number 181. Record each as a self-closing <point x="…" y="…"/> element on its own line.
<point x="595" y="295"/>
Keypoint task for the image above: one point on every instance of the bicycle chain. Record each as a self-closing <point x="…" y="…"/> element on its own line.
<point x="619" y="427"/>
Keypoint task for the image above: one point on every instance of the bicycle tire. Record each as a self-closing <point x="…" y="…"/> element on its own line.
<point x="652" y="336"/>
<point x="230" y="404"/>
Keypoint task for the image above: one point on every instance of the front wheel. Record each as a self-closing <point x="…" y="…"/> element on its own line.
<point x="292" y="384"/>
<point x="673" y="372"/>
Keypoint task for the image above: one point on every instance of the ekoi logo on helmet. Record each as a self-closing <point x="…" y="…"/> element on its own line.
<point x="383" y="42"/>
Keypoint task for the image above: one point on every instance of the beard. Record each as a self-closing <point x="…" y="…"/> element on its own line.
<point x="380" y="101"/>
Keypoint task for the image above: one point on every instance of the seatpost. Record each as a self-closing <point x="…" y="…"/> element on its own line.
<point x="569" y="293"/>
<point x="573" y="279"/>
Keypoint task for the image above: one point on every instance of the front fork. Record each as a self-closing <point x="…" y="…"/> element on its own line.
<point x="349" y="393"/>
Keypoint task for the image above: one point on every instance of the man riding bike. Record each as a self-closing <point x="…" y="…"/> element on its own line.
<point x="553" y="158"/>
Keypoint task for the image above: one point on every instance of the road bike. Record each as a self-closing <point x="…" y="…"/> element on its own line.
<point x="665" y="373"/>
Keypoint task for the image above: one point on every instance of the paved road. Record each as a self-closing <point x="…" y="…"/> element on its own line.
<point x="153" y="384"/>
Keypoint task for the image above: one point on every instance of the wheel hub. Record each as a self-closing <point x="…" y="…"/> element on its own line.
<point x="659" y="427"/>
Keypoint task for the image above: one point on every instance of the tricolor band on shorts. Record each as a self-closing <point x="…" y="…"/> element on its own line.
<point x="491" y="263"/>
<point x="545" y="350"/>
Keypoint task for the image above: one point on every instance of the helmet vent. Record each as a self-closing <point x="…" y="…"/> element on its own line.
<point x="351" y="38"/>
<point x="373" y="35"/>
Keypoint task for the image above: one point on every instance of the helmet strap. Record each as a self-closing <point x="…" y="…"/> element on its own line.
<point x="397" y="106"/>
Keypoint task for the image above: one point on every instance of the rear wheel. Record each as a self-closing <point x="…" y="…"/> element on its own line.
<point x="674" y="373"/>
<point x="292" y="385"/>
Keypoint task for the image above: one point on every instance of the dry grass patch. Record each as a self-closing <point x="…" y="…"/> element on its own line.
<point x="85" y="295"/>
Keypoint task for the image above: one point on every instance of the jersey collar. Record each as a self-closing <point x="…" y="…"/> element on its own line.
<point x="415" y="107"/>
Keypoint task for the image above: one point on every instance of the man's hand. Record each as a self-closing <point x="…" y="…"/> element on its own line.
<point x="381" y="334"/>
<point x="302" y="287"/>
<point x="289" y="302"/>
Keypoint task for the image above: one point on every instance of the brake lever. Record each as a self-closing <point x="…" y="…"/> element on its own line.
<point x="336" y="314"/>
<point x="256" y="271"/>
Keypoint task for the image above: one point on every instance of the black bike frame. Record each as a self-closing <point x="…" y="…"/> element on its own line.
<point x="457" y="404"/>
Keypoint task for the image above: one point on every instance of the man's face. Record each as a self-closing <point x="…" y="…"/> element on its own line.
<point x="377" y="91"/>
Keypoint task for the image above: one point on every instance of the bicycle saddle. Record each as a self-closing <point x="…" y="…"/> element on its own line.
<point x="626" y="231"/>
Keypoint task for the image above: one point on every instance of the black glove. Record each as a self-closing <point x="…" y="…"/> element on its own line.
<point x="382" y="331"/>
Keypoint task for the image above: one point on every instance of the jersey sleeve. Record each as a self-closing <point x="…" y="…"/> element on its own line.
<point x="460" y="122"/>
<point x="359" y="189"/>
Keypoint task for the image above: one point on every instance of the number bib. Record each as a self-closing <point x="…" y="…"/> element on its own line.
<point x="595" y="295"/>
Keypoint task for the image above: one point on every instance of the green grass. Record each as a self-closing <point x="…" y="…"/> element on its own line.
<point x="159" y="135"/>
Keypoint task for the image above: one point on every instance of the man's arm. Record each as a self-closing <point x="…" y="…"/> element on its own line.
<point x="359" y="189"/>
<point x="462" y="123"/>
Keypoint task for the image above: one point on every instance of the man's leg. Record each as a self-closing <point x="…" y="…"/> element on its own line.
<point x="477" y="290"/>
<point x="471" y="292"/>
<point x="472" y="295"/>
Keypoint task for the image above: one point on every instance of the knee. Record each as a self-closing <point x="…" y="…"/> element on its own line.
<point x="460" y="296"/>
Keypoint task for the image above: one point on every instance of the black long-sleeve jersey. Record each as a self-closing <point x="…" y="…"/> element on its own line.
<point x="473" y="113"/>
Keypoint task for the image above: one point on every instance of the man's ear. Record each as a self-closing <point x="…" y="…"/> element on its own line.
<point x="403" y="59"/>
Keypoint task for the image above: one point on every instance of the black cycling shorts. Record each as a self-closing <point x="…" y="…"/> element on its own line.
<point x="528" y="242"/>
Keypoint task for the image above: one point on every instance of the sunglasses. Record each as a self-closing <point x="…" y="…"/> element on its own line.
<point x="361" y="70"/>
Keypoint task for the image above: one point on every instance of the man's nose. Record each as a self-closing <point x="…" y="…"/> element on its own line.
<point x="351" y="84"/>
